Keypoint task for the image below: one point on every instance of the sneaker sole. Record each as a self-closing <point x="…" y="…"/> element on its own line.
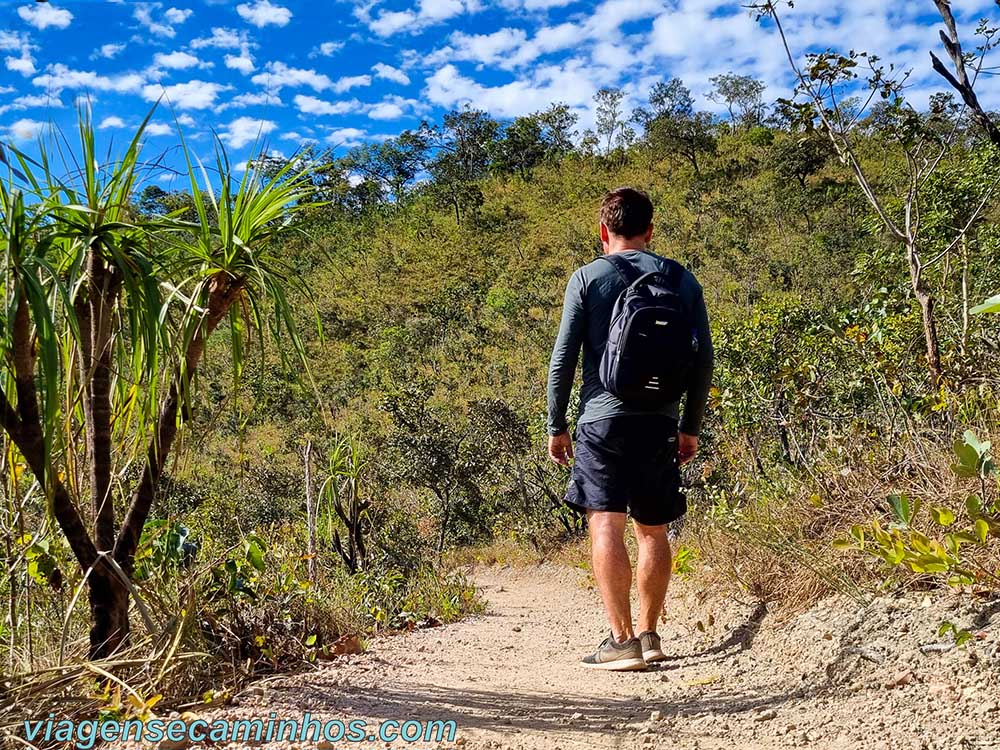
<point x="619" y="665"/>
<point x="653" y="656"/>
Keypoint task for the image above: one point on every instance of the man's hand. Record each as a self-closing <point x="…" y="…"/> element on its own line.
<point x="687" y="447"/>
<point x="561" y="448"/>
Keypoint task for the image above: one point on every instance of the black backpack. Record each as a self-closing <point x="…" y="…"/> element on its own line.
<point x="652" y="339"/>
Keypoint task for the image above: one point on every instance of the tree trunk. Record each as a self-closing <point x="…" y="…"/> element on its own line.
<point x="926" y="301"/>
<point x="109" y="599"/>
<point x="25" y="428"/>
<point x="445" y="501"/>
<point x="103" y="289"/>
<point x="965" y="293"/>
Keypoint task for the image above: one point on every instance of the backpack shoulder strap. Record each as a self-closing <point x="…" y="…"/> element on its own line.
<point x="674" y="272"/>
<point x="625" y="269"/>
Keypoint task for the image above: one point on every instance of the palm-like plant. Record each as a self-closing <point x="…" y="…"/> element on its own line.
<point x="107" y="316"/>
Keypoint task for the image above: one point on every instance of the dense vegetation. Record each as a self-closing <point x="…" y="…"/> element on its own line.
<point x="379" y="399"/>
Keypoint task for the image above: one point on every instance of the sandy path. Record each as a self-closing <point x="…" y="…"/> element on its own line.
<point x="839" y="676"/>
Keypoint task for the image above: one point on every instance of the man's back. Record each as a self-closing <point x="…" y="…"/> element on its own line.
<point x="590" y="296"/>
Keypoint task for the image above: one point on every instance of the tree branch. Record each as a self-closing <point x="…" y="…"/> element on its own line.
<point x="959" y="80"/>
<point x="223" y="293"/>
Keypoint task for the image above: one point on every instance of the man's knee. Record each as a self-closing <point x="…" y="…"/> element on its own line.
<point x="654" y="536"/>
<point x="606" y="527"/>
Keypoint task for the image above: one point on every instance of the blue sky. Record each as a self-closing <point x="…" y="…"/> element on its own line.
<point x="343" y="72"/>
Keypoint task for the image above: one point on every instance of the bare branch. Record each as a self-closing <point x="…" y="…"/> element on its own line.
<point x="959" y="79"/>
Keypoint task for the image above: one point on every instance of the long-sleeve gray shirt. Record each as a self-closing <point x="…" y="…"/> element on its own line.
<point x="586" y="316"/>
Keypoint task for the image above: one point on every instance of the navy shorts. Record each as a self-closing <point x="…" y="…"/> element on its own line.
<point x="628" y="464"/>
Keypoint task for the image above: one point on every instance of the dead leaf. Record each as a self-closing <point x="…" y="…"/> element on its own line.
<point x="347" y="644"/>
<point x="704" y="680"/>
<point x="903" y="678"/>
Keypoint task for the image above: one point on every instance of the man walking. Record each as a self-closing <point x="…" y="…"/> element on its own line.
<point x="629" y="445"/>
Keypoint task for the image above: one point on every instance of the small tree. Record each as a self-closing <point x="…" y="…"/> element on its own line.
<point x="612" y="126"/>
<point x="826" y="81"/>
<point x="341" y="499"/>
<point x="107" y="320"/>
<point x="743" y="97"/>
<point x="671" y="123"/>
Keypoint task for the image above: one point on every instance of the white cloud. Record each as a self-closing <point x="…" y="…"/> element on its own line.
<point x="351" y="82"/>
<point x="390" y="73"/>
<point x="108" y="51"/>
<point x="390" y="22"/>
<point x="242" y="62"/>
<point x="385" y="111"/>
<point x="279" y="75"/>
<point x="537" y="4"/>
<point x="58" y="77"/>
<point x="426" y="13"/>
<point x="25" y="64"/>
<point x="310" y="105"/>
<point x="10" y="40"/>
<point x="44" y="15"/>
<point x="26" y="130"/>
<point x="112" y="121"/>
<point x="190" y="95"/>
<point x="177" y="15"/>
<point x="573" y="82"/>
<point x="244" y="130"/>
<point x="250" y="99"/>
<point x="390" y="108"/>
<point x="346" y="137"/>
<point x="163" y="26"/>
<point x="486" y="48"/>
<point x="32" y="101"/>
<point x="221" y="39"/>
<point x="394" y="107"/>
<point x="510" y="48"/>
<point x="178" y="60"/>
<point x="327" y="49"/>
<point x="264" y="13"/>
<point x="158" y="128"/>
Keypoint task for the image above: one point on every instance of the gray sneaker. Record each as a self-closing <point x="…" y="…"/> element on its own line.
<point x="616" y="657"/>
<point x="651" y="650"/>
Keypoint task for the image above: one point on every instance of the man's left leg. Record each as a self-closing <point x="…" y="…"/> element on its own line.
<point x="653" y="578"/>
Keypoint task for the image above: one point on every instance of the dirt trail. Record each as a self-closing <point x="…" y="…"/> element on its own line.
<point x="839" y="676"/>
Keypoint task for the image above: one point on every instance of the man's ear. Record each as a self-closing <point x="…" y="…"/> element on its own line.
<point x="649" y="233"/>
<point x="605" y="236"/>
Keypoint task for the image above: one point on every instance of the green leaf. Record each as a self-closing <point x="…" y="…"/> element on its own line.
<point x="943" y="516"/>
<point x="992" y="305"/>
<point x="901" y="509"/>
<point x="980" y="447"/>
<point x="255" y="555"/>
<point x="982" y="530"/>
<point x="974" y="506"/>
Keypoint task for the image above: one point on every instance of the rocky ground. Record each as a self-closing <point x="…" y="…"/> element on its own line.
<point x="841" y="675"/>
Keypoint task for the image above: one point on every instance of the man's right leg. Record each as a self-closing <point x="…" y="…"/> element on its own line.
<point x="612" y="569"/>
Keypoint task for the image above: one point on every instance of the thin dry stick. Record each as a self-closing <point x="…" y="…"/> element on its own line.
<point x="310" y="514"/>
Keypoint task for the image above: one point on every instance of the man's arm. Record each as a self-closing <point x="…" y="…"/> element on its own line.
<point x="565" y="355"/>
<point x="701" y="382"/>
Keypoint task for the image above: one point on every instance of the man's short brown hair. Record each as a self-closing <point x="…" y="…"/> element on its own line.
<point x="627" y="212"/>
